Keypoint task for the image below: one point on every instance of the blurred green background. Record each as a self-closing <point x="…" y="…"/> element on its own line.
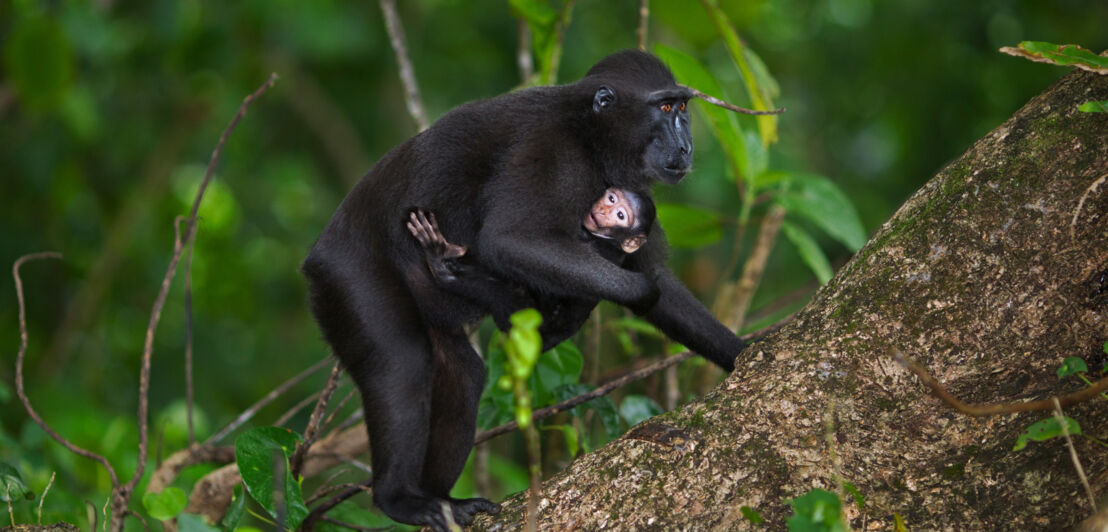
<point x="109" y="111"/>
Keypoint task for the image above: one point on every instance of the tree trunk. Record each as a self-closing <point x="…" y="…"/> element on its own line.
<point x="981" y="277"/>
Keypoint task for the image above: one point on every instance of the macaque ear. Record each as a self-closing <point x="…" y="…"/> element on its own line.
<point x="631" y="245"/>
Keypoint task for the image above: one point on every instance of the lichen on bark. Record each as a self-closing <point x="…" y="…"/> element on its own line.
<point x="976" y="276"/>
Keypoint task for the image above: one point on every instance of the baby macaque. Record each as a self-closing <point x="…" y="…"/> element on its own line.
<point x="618" y="222"/>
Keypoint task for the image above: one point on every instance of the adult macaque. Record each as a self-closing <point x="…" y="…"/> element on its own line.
<point x="402" y="338"/>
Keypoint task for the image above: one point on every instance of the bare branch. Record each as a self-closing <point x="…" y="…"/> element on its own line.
<point x="939" y="391"/>
<point x="169" y="469"/>
<point x="19" y="369"/>
<point x="314" y="422"/>
<point x="407" y="75"/>
<point x="159" y="302"/>
<point x="718" y="102"/>
<point x="188" y="323"/>
<point x="644" y="18"/>
<point x="523" y="51"/>
<point x="1073" y="453"/>
<point x="268" y="398"/>
<point x="734" y="309"/>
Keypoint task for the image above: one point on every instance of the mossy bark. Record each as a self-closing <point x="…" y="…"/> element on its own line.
<point x="981" y="277"/>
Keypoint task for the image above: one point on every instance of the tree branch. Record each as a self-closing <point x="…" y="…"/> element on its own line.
<point x="718" y="102"/>
<point x="407" y="74"/>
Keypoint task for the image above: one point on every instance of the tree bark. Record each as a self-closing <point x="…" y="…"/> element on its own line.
<point x="979" y="276"/>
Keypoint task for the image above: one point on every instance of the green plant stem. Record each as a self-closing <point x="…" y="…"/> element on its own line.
<point x="1090" y="383"/>
<point x="534" y="459"/>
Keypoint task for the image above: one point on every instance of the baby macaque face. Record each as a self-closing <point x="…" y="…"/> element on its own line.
<point x="613" y="210"/>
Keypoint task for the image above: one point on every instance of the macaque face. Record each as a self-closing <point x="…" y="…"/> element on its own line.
<point x="613" y="210"/>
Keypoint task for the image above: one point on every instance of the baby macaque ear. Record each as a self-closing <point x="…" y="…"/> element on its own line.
<point x="631" y="245"/>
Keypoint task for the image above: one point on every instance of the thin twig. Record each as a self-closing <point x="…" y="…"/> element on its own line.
<point x="145" y="525"/>
<point x="939" y="391"/>
<point x="159" y="302"/>
<point x="19" y="369"/>
<point x="1073" y="453"/>
<point x="338" y="408"/>
<point x="44" y="492"/>
<point x="407" y="74"/>
<point x="312" y="430"/>
<point x="8" y="499"/>
<point x="188" y="330"/>
<point x="523" y="51"/>
<point x="318" y="512"/>
<point x="718" y="102"/>
<point x="325" y="487"/>
<point x="644" y="17"/>
<point x="296" y="408"/>
<point x="1080" y="204"/>
<point x="268" y="398"/>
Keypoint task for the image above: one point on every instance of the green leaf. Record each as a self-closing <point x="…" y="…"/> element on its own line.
<point x="165" y="505"/>
<point x="638" y="408"/>
<point x="859" y="499"/>
<point x="603" y="406"/>
<point x="235" y="511"/>
<point x="809" y="251"/>
<point x="824" y="203"/>
<point x="560" y="367"/>
<point x="689" y="227"/>
<point x="817" y="510"/>
<point x="1060" y="54"/>
<point x="1045" y="430"/>
<point x="38" y="60"/>
<point x="195" y="523"/>
<point x="11" y="484"/>
<point x="638" y="325"/>
<point x="759" y="96"/>
<point x="1094" y="106"/>
<point x="723" y="123"/>
<point x="254" y="453"/>
<point x="752" y="515"/>
<point x="1072" y="366"/>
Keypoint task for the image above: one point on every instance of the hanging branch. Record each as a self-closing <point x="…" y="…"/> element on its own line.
<point x="939" y="391"/>
<point x="718" y="102"/>
<point x="188" y="323"/>
<point x="119" y="506"/>
<point x="1073" y="453"/>
<point x="315" y="421"/>
<point x="644" y="17"/>
<point x="407" y="74"/>
<point x="19" y="369"/>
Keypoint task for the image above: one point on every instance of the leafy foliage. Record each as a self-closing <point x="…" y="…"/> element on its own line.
<point x="1045" y="430"/>
<point x="257" y="451"/>
<point x="817" y="511"/>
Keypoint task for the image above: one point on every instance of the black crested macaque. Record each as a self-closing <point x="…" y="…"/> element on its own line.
<point x="617" y="224"/>
<point x="402" y="338"/>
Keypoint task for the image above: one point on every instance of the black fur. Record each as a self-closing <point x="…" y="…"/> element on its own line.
<point x="402" y="339"/>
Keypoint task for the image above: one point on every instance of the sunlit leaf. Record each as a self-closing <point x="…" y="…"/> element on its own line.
<point x="689" y="227"/>
<point x="638" y="325"/>
<point x="255" y="451"/>
<point x="759" y="99"/>
<point x="1045" y="430"/>
<point x="809" y="251"/>
<point x="859" y="499"/>
<point x="1059" y="54"/>
<point x="818" y="510"/>
<point x="1093" y="106"/>
<point x="165" y="505"/>
<point x="1072" y="366"/>
<point x="824" y="203"/>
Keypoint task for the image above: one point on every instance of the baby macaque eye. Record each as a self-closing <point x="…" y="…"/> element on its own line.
<point x="621" y="215"/>
<point x="611" y="198"/>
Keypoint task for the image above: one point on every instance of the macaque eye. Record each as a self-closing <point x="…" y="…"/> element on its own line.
<point x="682" y="106"/>
<point x="667" y="107"/>
<point x="621" y="215"/>
<point x="611" y="198"/>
